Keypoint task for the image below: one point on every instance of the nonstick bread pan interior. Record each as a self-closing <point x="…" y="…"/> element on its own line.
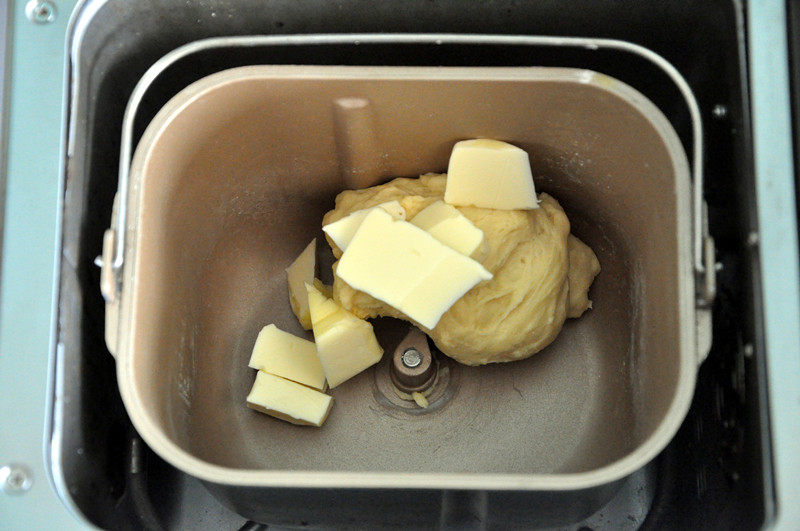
<point x="229" y="183"/>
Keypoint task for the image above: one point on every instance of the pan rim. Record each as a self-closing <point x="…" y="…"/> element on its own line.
<point x="621" y="468"/>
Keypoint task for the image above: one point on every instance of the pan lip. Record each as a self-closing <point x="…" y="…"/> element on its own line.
<point x="643" y="453"/>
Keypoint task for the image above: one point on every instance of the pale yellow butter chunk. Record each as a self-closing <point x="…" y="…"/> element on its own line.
<point x="300" y="273"/>
<point x="346" y="345"/>
<point x="343" y="230"/>
<point x="449" y="226"/>
<point x="288" y="356"/>
<point x="407" y="268"/>
<point x="490" y="174"/>
<point x="288" y="400"/>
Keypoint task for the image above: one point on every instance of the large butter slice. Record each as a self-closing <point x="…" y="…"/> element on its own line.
<point x="301" y="272"/>
<point x="449" y="226"/>
<point x="288" y="400"/>
<point x="288" y="356"/>
<point x="346" y="345"/>
<point x="490" y="174"/>
<point x="407" y="268"/>
<point x="342" y="231"/>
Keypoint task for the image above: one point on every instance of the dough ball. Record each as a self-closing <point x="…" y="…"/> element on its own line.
<point x="522" y="308"/>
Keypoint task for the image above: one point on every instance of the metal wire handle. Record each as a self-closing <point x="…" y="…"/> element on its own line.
<point x="703" y="247"/>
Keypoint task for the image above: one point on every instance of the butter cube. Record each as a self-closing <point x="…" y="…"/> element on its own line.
<point x="299" y="273"/>
<point x="407" y="268"/>
<point x="449" y="226"/>
<point x="343" y="230"/>
<point x="346" y="345"/>
<point x="288" y="356"/>
<point x="490" y="174"/>
<point x="288" y="400"/>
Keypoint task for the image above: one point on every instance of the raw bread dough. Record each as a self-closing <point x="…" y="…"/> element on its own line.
<point x="541" y="274"/>
<point x="583" y="267"/>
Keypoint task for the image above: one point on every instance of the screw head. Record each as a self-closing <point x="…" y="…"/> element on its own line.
<point x="412" y="366"/>
<point x="748" y="350"/>
<point x="15" y="478"/>
<point x="40" y="11"/>
<point x="412" y="358"/>
<point x="719" y="111"/>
